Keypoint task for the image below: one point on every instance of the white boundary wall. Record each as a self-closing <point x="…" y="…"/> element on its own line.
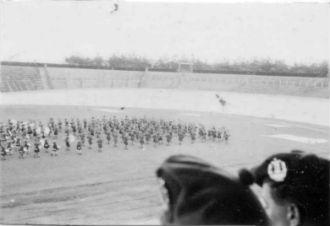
<point x="92" y="78"/>
<point x="77" y="78"/>
<point x="299" y="109"/>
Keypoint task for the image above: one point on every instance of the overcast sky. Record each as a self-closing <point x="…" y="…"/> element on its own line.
<point x="49" y="31"/>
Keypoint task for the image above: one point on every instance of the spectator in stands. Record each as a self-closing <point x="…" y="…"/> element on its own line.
<point x="196" y="192"/>
<point x="295" y="188"/>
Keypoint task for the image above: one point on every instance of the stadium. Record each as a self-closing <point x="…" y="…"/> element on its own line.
<point x="96" y="96"/>
<point x="118" y="185"/>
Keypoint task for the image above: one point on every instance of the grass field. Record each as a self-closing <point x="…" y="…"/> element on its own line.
<point x="118" y="186"/>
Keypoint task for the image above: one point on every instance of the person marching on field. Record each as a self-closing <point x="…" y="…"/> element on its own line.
<point x="18" y="143"/>
<point x="74" y="129"/>
<point x="82" y="138"/>
<point x="85" y="123"/>
<point x="141" y="140"/>
<point x="155" y="139"/>
<point x="67" y="131"/>
<point x="225" y="135"/>
<point x="22" y="150"/>
<point x="180" y="136"/>
<point x="209" y="134"/>
<point x="115" y="138"/>
<point x="90" y="141"/>
<point x="3" y="152"/>
<point x="168" y="138"/>
<point x="80" y="130"/>
<point x="59" y="125"/>
<point x="214" y="134"/>
<point x="148" y="137"/>
<point x="219" y="136"/>
<point x="201" y="132"/>
<point x="25" y="149"/>
<point x="35" y="133"/>
<point x="160" y="138"/>
<point x="9" y="148"/>
<point x="193" y="136"/>
<point x="55" y="149"/>
<point x="29" y="130"/>
<point x="79" y="148"/>
<point x="125" y="140"/>
<point x="46" y="146"/>
<point x="55" y="133"/>
<point x="131" y="135"/>
<point x="36" y="149"/>
<point x="67" y="143"/>
<point x="92" y="132"/>
<point x="66" y="122"/>
<point x="108" y="137"/>
<point x="100" y="144"/>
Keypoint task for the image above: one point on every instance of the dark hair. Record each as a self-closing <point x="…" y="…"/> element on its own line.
<point x="200" y="193"/>
<point x="306" y="184"/>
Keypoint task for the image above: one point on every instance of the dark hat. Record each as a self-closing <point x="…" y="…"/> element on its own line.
<point x="299" y="177"/>
<point x="295" y="169"/>
<point x="199" y="193"/>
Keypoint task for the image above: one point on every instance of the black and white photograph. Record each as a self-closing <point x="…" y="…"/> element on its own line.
<point x="186" y="112"/>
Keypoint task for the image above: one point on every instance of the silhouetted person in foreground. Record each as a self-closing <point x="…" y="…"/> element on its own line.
<point x="295" y="188"/>
<point x="196" y="192"/>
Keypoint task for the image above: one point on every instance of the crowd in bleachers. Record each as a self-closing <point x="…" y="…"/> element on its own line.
<point x="30" y="138"/>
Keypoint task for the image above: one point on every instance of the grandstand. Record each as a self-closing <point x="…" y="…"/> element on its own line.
<point x="21" y="78"/>
<point x="26" y="76"/>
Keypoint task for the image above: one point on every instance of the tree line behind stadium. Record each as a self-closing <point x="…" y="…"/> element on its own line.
<point x="136" y="63"/>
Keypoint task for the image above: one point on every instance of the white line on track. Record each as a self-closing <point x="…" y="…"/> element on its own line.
<point x="306" y="140"/>
<point x="108" y="110"/>
<point x="278" y="125"/>
<point x="191" y="114"/>
<point x="146" y="222"/>
<point x="325" y="130"/>
<point x="312" y="128"/>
